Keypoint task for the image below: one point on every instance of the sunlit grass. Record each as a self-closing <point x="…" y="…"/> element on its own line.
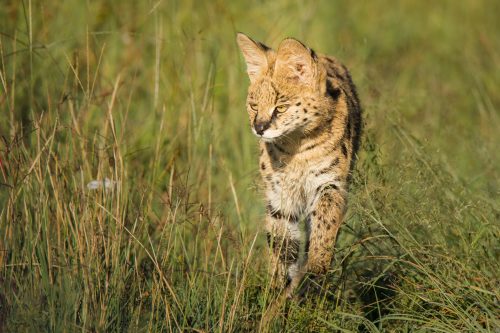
<point x="151" y="97"/>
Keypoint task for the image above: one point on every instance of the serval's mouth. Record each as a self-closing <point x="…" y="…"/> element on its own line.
<point x="268" y="135"/>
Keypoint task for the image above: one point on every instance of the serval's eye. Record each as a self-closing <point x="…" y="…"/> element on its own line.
<point x="253" y="107"/>
<point x="281" y="108"/>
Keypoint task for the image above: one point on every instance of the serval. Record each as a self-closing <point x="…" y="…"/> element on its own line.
<point x="304" y="109"/>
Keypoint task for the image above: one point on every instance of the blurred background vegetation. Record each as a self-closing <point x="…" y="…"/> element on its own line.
<point x="151" y="94"/>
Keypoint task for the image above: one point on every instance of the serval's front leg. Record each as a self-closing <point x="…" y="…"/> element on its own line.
<point x="325" y="219"/>
<point x="283" y="237"/>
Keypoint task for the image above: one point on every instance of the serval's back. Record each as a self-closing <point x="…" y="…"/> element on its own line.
<point x="305" y="110"/>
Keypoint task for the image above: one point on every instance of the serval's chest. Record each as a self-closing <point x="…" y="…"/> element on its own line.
<point x="286" y="189"/>
<point x="292" y="187"/>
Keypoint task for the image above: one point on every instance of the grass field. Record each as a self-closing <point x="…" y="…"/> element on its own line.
<point x="151" y="95"/>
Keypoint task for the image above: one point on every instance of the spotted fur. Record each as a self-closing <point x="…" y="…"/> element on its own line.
<point x="305" y="110"/>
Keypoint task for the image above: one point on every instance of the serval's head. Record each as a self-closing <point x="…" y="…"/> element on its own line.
<point x="286" y="97"/>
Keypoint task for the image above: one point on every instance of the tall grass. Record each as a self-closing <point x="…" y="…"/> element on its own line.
<point x="151" y="96"/>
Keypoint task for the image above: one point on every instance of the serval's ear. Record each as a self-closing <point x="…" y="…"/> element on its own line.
<point x="296" y="62"/>
<point x="255" y="55"/>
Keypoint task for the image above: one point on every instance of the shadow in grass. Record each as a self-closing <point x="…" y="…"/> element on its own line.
<point x="376" y="296"/>
<point x="372" y="289"/>
<point x="4" y="310"/>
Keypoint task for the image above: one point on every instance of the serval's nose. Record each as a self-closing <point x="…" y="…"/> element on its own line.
<point x="261" y="126"/>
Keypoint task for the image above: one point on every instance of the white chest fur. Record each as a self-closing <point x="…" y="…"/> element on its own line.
<point x="294" y="188"/>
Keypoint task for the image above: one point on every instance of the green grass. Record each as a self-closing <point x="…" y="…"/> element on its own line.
<point x="151" y="95"/>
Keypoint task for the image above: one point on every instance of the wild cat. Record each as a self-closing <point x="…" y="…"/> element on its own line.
<point x="305" y="110"/>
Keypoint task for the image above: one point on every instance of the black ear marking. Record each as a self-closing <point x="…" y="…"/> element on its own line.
<point x="332" y="91"/>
